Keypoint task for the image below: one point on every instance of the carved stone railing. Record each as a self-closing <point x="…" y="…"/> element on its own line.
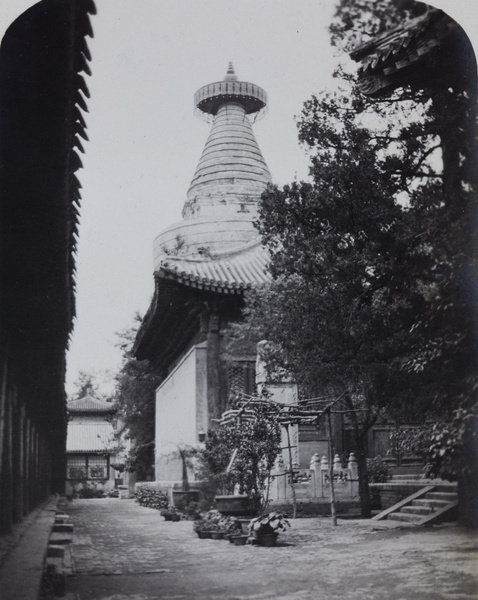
<point x="313" y="484"/>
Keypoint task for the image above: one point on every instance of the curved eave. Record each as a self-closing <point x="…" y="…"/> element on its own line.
<point x="430" y="50"/>
<point x="222" y="287"/>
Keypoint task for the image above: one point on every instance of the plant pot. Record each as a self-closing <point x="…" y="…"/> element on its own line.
<point x="217" y="535"/>
<point x="204" y="535"/>
<point x="245" y="525"/>
<point x="235" y="505"/>
<point x="239" y="540"/>
<point x="268" y="539"/>
<point x="182" y="499"/>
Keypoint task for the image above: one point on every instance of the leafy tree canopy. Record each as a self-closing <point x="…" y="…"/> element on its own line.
<point x="373" y="260"/>
<point x="134" y="395"/>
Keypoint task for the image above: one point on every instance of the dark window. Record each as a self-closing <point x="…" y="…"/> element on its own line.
<point x="87" y="466"/>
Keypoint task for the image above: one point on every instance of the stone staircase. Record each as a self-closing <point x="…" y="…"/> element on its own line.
<point x="433" y="501"/>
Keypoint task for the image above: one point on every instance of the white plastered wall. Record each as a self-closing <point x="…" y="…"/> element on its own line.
<point x="181" y="412"/>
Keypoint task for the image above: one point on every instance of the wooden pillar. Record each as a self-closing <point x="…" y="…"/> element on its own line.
<point x="17" y="458"/>
<point x="31" y="466"/>
<point x="5" y="520"/>
<point x="6" y="499"/>
<point x="26" y="464"/>
<point x="213" y="369"/>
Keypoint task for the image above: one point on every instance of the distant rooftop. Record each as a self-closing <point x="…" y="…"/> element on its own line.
<point x="88" y="404"/>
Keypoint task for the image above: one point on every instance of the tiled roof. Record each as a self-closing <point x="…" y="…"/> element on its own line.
<point x="230" y="272"/>
<point x="391" y="55"/>
<point x="88" y="404"/>
<point x="89" y="437"/>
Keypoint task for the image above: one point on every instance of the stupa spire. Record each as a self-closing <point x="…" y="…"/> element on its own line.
<point x="229" y="179"/>
<point x="231" y="173"/>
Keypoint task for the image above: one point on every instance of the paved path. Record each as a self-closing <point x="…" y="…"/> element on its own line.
<point x="122" y="551"/>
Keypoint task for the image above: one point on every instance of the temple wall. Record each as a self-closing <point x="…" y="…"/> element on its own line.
<point x="182" y="398"/>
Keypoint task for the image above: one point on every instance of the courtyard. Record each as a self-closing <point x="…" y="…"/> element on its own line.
<point x="122" y="551"/>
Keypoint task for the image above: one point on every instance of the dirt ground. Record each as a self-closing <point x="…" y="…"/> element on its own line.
<point x="122" y="551"/>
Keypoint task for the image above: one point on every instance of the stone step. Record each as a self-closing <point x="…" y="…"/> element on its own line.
<point x="416" y="510"/>
<point x="401" y="516"/>
<point x="447" y="496"/>
<point x="430" y="502"/>
<point x="62" y="518"/>
<point x="55" y="551"/>
<point x="408" y="477"/>
<point x="60" y="538"/>
<point x="62" y="527"/>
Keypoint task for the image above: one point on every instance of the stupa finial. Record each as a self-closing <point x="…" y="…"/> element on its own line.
<point x="231" y="74"/>
<point x="210" y="97"/>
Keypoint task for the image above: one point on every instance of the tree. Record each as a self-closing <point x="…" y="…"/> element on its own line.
<point x="452" y="94"/>
<point x="86" y="385"/>
<point x="242" y="454"/>
<point x="372" y="261"/>
<point x="357" y="21"/>
<point x="134" y="395"/>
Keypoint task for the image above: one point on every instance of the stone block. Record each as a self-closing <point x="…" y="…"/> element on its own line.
<point x="61" y="518"/>
<point x="63" y="527"/>
<point x="55" y="551"/>
<point x="60" y="538"/>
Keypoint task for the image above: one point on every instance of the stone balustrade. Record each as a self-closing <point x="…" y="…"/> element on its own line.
<point x="313" y="484"/>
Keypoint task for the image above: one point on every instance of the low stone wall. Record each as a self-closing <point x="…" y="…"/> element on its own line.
<point x="314" y="509"/>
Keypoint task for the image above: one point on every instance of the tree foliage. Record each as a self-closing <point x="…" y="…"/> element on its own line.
<point x="134" y="395"/>
<point x="374" y="260"/>
<point x="358" y="21"/>
<point x="242" y="454"/>
<point x="86" y="385"/>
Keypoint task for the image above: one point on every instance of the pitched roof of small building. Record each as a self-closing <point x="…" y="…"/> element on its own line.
<point x="431" y="49"/>
<point x="89" y="437"/>
<point x="88" y="404"/>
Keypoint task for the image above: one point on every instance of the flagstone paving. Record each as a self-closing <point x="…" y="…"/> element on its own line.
<point x="122" y="551"/>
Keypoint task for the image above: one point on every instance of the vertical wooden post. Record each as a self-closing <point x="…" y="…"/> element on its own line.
<point x="5" y="483"/>
<point x="17" y="458"/>
<point x="291" y="473"/>
<point x="26" y="463"/>
<point x="212" y="366"/>
<point x="331" y="468"/>
<point x="7" y="475"/>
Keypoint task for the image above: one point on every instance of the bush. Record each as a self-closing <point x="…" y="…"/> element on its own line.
<point x="89" y="491"/>
<point x="148" y="495"/>
<point x="378" y="471"/>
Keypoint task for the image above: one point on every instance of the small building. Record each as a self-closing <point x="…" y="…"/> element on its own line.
<point x="90" y="445"/>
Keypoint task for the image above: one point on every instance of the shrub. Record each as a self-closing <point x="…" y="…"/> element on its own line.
<point x="378" y="471"/>
<point x="90" y="491"/>
<point x="148" y="495"/>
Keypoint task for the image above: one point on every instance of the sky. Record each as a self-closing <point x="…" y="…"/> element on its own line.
<point x="148" y="59"/>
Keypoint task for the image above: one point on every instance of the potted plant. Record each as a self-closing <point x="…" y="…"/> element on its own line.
<point x="185" y="496"/>
<point x="208" y="523"/>
<point x="203" y="529"/>
<point x="240" y="455"/>
<point x="266" y="528"/>
<point x="170" y="514"/>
